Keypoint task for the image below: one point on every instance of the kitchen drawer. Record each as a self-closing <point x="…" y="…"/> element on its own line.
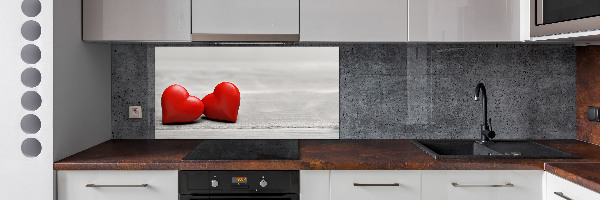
<point x="568" y="189"/>
<point x="162" y="185"/>
<point x="482" y="184"/>
<point x="408" y="184"/>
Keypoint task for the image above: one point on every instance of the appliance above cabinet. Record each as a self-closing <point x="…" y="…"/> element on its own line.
<point x="246" y="20"/>
<point x="565" y="20"/>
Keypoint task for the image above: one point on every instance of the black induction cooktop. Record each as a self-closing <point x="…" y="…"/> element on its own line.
<point x="245" y="150"/>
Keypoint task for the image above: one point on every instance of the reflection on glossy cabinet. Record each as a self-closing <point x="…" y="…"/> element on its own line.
<point x="354" y="20"/>
<point x="468" y="20"/>
<point x="375" y="185"/>
<point x="561" y="189"/>
<point x="245" y="17"/>
<point x="482" y="184"/>
<point x="136" y="20"/>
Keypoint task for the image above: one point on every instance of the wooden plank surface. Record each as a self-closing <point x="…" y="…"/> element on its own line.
<point x="286" y="92"/>
<point x="372" y="154"/>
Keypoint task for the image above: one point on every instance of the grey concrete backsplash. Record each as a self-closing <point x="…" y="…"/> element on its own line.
<point x="407" y="90"/>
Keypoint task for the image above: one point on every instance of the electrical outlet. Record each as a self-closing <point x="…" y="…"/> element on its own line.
<point x="135" y="111"/>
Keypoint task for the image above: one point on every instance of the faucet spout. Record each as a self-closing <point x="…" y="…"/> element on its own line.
<point x="486" y="132"/>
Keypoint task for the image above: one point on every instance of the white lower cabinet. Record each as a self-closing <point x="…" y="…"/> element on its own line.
<point x="375" y="185"/>
<point x="561" y="189"/>
<point x="314" y="184"/>
<point x="340" y="185"/>
<point x="117" y="185"/>
<point x="482" y="184"/>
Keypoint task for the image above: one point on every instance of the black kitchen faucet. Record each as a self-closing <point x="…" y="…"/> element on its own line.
<point x="486" y="129"/>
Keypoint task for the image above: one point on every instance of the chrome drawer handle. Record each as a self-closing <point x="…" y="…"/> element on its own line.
<point x="94" y="185"/>
<point x="505" y="185"/>
<point x="362" y="184"/>
<point x="560" y="194"/>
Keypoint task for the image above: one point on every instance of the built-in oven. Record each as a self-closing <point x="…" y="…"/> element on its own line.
<point x="554" y="17"/>
<point x="234" y="185"/>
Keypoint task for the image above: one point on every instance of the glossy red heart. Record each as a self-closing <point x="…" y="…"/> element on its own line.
<point x="178" y="106"/>
<point x="224" y="103"/>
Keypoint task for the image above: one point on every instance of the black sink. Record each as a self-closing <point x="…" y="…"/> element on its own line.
<point x="493" y="149"/>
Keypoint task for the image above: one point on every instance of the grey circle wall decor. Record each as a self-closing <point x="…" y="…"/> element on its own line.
<point x="31" y="30"/>
<point x="31" y="8"/>
<point x="31" y="124"/>
<point x="31" y="100"/>
<point x="31" y="54"/>
<point x="31" y="77"/>
<point x="31" y="147"/>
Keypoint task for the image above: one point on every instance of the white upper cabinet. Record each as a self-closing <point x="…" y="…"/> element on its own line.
<point x="244" y="20"/>
<point x="136" y="20"/>
<point x="468" y="20"/>
<point x="354" y="20"/>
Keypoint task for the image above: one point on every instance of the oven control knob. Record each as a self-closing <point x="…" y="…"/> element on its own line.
<point x="263" y="183"/>
<point x="214" y="183"/>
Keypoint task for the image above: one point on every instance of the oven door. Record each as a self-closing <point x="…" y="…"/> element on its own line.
<point x="236" y="197"/>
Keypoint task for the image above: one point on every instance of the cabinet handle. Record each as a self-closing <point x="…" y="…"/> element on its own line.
<point x="362" y="184"/>
<point x="94" y="185"/>
<point x="505" y="185"/>
<point x="560" y="194"/>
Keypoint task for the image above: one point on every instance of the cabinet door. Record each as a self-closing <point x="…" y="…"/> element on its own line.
<point x="136" y="20"/>
<point x="117" y="185"/>
<point x="354" y="20"/>
<point x="379" y="185"/>
<point x="314" y="184"/>
<point x="245" y="17"/>
<point x="468" y="20"/>
<point x="482" y="184"/>
<point x="561" y="189"/>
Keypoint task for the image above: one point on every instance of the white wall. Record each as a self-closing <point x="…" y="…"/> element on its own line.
<point x="24" y="177"/>
<point x="82" y="84"/>
<point x="74" y="88"/>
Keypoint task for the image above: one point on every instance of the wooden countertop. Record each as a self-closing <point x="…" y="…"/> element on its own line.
<point x="314" y="155"/>
<point x="581" y="173"/>
<point x="332" y="155"/>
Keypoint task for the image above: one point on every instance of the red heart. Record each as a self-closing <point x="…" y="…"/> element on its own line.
<point x="178" y="106"/>
<point x="224" y="103"/>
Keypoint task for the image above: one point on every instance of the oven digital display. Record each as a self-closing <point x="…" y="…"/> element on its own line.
<point x="239" y="180"/>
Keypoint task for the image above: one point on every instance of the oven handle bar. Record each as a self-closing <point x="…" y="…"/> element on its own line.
<point x="94" y="185"/>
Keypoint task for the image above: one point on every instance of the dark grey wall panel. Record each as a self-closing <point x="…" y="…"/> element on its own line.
<point x="408" y="90"/>
<point x="132" y="85"/>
